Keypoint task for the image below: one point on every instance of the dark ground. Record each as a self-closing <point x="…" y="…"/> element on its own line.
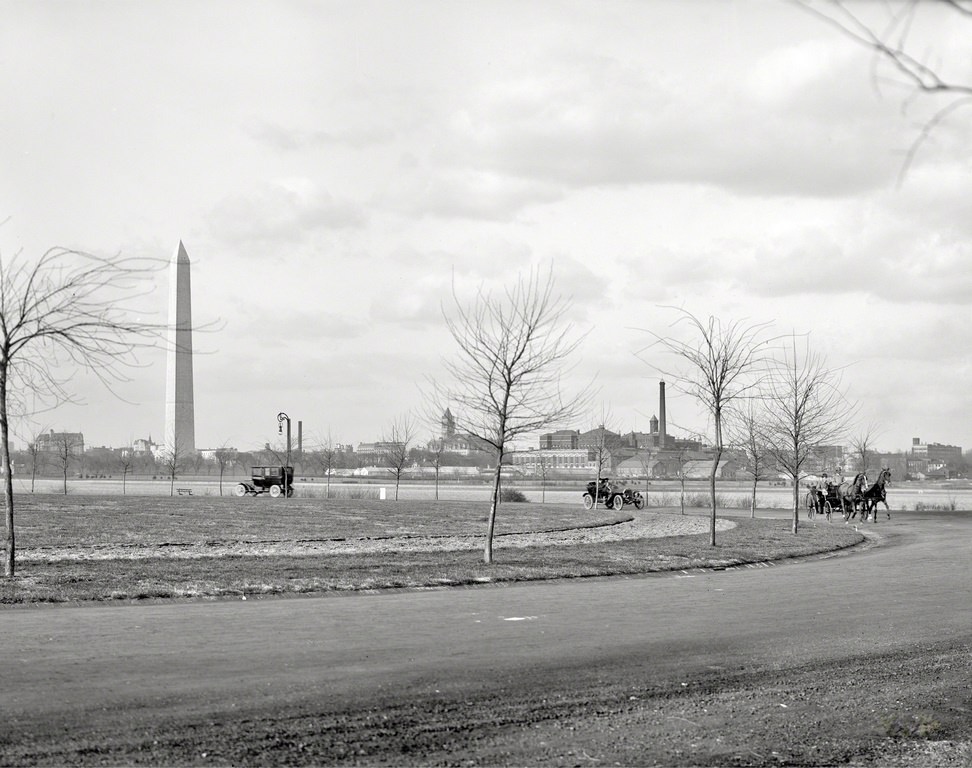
<point x="856" y="659"/>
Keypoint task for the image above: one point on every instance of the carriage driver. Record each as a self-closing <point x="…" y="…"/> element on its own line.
<point x="825" y="484"/>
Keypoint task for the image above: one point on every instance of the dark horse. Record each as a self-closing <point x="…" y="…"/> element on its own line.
<point x="851" y="495"/>
<point x="876" y="494"/>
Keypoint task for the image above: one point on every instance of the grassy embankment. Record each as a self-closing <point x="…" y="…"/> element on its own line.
<point x="138" y="547"/>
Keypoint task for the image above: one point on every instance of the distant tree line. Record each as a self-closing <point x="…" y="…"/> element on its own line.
<point x="114" y="463"/>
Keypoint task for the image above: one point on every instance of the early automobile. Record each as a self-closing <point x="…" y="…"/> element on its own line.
<point x="611" y="497"/>
<point x="277" y="481"/>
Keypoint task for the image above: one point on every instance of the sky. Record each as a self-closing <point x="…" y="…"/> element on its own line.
<point x="340" y="171"/>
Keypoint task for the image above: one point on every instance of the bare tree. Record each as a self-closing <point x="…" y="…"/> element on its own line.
<point x="325" y="457"/>
<point x="126" y="461"/>
<point x="645" y="457"/>
<point x="174" y="461"/>
<point x="224" y="457"/>
<point x="398" y="450"/>
<point x="67" y="449"/>
<point x="542" y="470"/>
<point x="504" y="380"/>
<point x="601" y="442"/>
<point x="717" y="365"/>
<point x="805" y="407"/>
<point x="896" y="32"/>
<point x="66" y="308"/>
<point x="745" y="429"/>
<point x="436" y="451"/>
<point x="36" y="458"/>
<point x="681" y="459"/>
<point x="862" y="444"/>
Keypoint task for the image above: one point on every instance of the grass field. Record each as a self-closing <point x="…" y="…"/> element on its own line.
<point x="82" y="548"/>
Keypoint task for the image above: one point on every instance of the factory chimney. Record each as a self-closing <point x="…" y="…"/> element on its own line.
<point x="661" y="415"/>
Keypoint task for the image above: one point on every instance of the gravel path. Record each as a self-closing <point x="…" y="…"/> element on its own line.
<point x="645" y="524"/>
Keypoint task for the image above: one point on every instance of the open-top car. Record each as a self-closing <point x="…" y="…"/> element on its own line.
<point x="613" y="498"/>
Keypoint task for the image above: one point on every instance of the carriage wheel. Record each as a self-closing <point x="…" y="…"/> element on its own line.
<point x="241" y="490"/>
<point x="290" y="492"/>
<point x="639" y="501"/>
<point x="588" y="501"/>
<point x="617" y="503"/>
<point x="275" y="491"/>
<point x="811" y="505"/>
<point x="828" y="510"/>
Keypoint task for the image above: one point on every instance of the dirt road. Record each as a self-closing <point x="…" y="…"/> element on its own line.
<point x="861" y="658"/>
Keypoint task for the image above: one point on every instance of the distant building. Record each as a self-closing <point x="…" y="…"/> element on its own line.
<point x="562" y="438"/>
<point x="59" y="442"/>
<point x="702" y="469"/>
<point x="379" y="448"/>
<point x="935" y="451"/>
<point x="640" y="465"/>
<point x="554" y="460"/>
<point x="143" y="446"/>
<point x="598" y="438"/>
<point x="933" y="459"/>
<point x="461" y="443"/>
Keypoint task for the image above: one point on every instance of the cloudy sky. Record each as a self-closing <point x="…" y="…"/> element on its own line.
<point x="334" y="168"/>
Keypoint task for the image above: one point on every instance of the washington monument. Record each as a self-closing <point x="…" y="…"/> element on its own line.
<point x="180" y="423"/>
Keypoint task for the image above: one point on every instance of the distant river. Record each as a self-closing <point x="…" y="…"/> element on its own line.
<point x="901" y="496"/>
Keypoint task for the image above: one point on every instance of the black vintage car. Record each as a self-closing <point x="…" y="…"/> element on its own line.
<point x="612" y="498"/>
<point x="277" y="481"/>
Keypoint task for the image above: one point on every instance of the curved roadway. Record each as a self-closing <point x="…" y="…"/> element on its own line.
<point x="827" y="660"/>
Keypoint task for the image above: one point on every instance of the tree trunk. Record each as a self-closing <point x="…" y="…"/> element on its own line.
<point x="752" y="513"/>
<point x="8" y="565"/>
<point x="327" y="485"/>
<point x="436" y="482"/>
<point x="712" y="492"/>
<point x="796" y="501"/>
<point x="494" y="502"/>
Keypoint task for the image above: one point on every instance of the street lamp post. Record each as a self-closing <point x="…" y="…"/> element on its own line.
<point x="281" y="418"/>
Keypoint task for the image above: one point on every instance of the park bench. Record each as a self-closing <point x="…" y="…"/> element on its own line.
<point x="184" y="491"/>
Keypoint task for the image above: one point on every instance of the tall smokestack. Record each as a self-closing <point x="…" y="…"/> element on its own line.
<point x="661" y="414"/>
<point x="300" y="437"/>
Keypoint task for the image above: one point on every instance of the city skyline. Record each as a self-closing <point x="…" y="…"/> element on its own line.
<point x="520" y="445"/>
<point x="338" y="170"/>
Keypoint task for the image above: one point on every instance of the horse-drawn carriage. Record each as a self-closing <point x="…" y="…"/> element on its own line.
<point x="604" y="493"/>
<point x="849" y="497"/>
<point x="823" y="502"/>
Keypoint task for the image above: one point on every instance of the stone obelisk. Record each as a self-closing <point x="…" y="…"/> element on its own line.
<point x="180" y="423"/>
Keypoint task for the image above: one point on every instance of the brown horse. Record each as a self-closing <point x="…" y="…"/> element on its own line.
<point x="852" y="495"/>
<point x="876" y="494"/>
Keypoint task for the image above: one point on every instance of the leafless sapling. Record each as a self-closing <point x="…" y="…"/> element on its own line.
<point x="503" y="381"/>
<point x="805" y="407"/>
<point x="717" y="363"/>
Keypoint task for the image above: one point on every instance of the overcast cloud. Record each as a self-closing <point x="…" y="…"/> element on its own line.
<point x="339" y="171"/>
